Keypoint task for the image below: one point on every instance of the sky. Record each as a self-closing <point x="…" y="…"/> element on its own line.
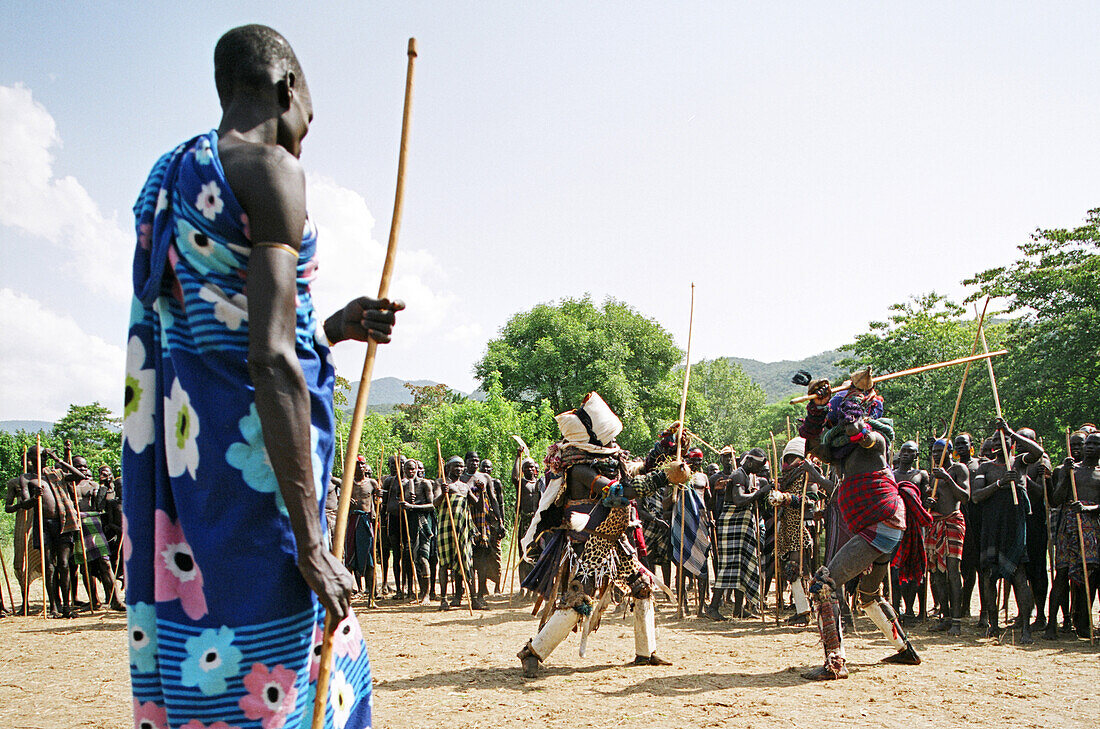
<point x="805" y="165"/>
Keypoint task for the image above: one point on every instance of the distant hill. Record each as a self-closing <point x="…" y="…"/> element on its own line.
<point x="31" y="426"/>
<point x="386" y="392"/>
<point x="775" y="377"/>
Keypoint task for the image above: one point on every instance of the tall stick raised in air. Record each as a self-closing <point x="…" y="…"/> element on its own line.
<point x="1081" y="544"/>
<point x="321" y="701"/>
<point x="680" y="581"/>
<point x="959" y="397"/>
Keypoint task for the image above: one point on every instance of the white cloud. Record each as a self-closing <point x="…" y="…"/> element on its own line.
<point x="94" y="247"/>
<point x="350" y="263"/>
<point x="51" y="363"/>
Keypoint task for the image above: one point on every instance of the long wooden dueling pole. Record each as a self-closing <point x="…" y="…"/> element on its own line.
<point x="460" y="555"/>
<point x="27" y="529"/>
<point x="1081" y="545"/>
<point x="775" y="532"/>
<point x="320" y="703"/>
<point x="958" y="398"/>
<point x="905" y="373"/>
<point x="1000" y="414"/>
<point x="681" y="582"/>
<point x="41" y="527"/>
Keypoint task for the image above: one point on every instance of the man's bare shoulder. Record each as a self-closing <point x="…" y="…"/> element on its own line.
<point x="258" y="172"/>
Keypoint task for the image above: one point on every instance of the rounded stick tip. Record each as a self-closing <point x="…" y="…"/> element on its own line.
<point x="412" y="47"/>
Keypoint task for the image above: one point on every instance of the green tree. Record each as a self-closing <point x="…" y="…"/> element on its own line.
<point x="1053" y="371"/>
<point x="95" y="432"/>
<point x="727" y="406"/>
<point x="560" y="352"/>
<point x="773" y="419"/>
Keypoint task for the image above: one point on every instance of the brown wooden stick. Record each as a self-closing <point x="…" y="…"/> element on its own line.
<point x="377" y="507"/>
<point x="775" y="531"/>
<point x="41" y="527"/>
<point x="904" y="373"/>
<point x="680" y="581"/>
<point x="759" y="559"/>
<point x="958" y="398"/>
<point x="1000" y="414"/>
<point x="355" y="433"/>
<point x="460" y="555"/>
<point x="83" y="549"/>
<point x="1081" y="543"/>
<point x="514" y="551"/>
<point x="696" y="437"/>
<point x="27" y="528"/>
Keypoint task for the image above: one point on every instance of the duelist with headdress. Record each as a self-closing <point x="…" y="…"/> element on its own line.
<point x="584" y="518"/>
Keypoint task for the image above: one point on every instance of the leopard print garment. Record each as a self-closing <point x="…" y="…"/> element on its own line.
<point x="604" y="558"/>
<point x="790" y="522"/>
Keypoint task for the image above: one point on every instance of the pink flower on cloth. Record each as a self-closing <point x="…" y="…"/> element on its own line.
<point x="150" y="716"/>
<point x="177" y="574"/>
<point x="348" y="638"/>
<point x="196" y="724"/>
<point x="144" y="232"/>
<point x="315" y="651"/>
<point x="271" y="695"/>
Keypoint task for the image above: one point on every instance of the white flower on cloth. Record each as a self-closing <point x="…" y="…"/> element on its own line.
<point x="138" y="408"/>
<point x="209" y="201"/>
<point x="162" y="202"/>
<point x="181" y="431"/>
<point x="342" y="697"/>
<point x="229" y="310"/>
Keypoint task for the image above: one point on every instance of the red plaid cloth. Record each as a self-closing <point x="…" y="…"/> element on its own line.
<point x="944" y="539"/>
<point x="910" y="560"/>
<point x="865" y="499"/>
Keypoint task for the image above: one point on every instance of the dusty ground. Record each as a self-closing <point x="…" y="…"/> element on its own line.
<point x="451" y="670"/>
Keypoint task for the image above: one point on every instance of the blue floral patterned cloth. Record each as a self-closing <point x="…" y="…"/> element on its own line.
<point x="224" y="633"/>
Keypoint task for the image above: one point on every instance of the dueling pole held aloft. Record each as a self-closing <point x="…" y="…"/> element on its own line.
<point x="41" y="527"/>
<point x="905" y="373"/>
<point x="1081" y="545"/>
<point x="356" y="431"/>
<point x="680" y="581"/>
<point x="959" y="397"/>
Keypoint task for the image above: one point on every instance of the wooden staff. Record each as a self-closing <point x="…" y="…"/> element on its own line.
<point x="1081" y="544"/>
<point x="4" y="564"/>
<point x="460" y="555"/>
<point x="514" y="552"/>
<point x="405" y="522"/>
<point x="759" y="556"/>
<point x="377" y="504"/>
<point x="775" y="532"/>
<point x="41" y="527"/>
<point x="27" y="529"/>
<point x="1046" y="517"/>
<point x="356" y="431"/>
<point x="1000" y="415"/>
<point x="680" y="582"/>
<point x="958" y="398"/>
<point x="904" y="373"/>
<point x="802" y="522"/>
<point x="788" y="427"/>
<point x="696" y="437"/>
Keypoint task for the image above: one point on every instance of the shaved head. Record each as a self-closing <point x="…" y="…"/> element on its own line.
<point x="248" y="57"/>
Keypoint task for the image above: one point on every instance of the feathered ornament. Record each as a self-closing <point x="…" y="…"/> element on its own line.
<point x="802" y="378"/>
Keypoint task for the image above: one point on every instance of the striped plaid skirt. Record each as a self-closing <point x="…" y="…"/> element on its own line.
<point x="738" y="553"/>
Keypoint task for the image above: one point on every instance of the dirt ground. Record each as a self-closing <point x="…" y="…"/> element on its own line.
<point x="436" y="669"/>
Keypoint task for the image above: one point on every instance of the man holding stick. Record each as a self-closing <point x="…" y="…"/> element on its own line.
<point x="1071" y="560"/>
<point x="849" y="431"/>
<point x="946" y="535"/>
<point x="229" y="577"/>
<point x="1004" y="525"/>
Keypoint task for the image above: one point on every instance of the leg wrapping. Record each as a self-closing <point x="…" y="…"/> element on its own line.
<point x="645" y="627"/>
<point x="828" y="619"/>
<point x="884" y="617"/>
<point x="556" y="629"/>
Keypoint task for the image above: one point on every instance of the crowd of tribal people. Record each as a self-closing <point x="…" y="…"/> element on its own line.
<point x="709" y="539"/>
